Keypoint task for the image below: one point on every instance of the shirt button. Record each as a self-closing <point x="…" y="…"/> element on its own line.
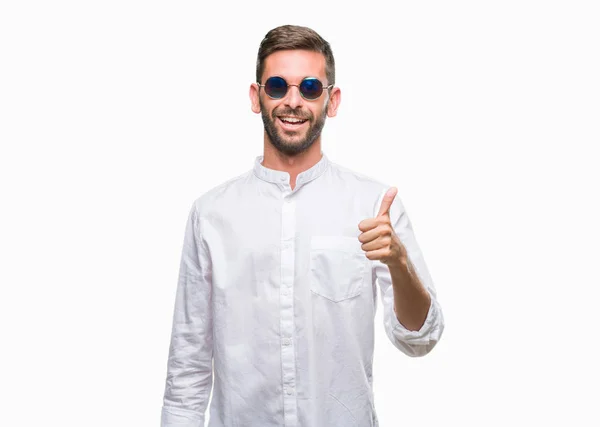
<point x="289" y="391"/>
<point x="286" y="341"/>
<point x="283" y="178"/>
<point x="285" y="292"/>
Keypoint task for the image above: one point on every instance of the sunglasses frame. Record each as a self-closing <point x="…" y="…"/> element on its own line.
<point x="298" y="85"/>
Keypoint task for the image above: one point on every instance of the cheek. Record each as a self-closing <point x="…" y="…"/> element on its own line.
<point x="323" y="110"/>
<point x="267" y="107"/>
<point x="315" y="113"/>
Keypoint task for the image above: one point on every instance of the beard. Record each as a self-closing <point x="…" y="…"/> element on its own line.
<point x="283" y="143"/>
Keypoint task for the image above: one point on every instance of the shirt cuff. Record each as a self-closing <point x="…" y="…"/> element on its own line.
<point x="177" y="417"/>
<point x="420" y="337"/>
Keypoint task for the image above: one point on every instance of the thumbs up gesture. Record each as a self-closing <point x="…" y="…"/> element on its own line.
<point x="378" y="238"/>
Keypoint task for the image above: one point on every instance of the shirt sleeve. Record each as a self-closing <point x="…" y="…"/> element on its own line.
<point x="189" y="369"/>
<point x="412" y="343"/>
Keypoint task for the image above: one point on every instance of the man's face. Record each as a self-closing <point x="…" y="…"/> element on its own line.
<point x="293" y="66"/>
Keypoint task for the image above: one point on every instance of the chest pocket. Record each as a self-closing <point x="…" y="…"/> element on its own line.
<point x="337" y="267"/>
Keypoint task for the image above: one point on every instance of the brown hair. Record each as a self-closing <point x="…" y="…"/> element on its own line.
<point x="295" y="37"/>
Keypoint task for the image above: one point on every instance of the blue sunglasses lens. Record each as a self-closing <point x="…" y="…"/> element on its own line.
<point x="276" y="87"/>
<point x="311" y="88"/>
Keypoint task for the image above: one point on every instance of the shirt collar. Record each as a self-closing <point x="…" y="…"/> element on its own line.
<point x="282" y="177"/>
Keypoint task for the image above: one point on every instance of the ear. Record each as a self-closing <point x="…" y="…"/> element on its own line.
<point x="335" y="98"/>
<point x="254" y="103"/>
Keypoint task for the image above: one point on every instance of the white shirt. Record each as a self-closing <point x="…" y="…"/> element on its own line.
<point x="274" y="285"/>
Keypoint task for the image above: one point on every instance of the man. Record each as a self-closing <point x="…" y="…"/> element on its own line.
<point x="281" y="267"/>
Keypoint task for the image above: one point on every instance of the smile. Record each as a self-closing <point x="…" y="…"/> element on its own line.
<point x="291" y="123"/>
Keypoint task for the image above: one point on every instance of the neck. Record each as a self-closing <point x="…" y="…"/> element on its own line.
<point x="274" y="159"/>
<point x="293" y="164"/>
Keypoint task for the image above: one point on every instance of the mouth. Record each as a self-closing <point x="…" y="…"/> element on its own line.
<point x="291" y="123"/>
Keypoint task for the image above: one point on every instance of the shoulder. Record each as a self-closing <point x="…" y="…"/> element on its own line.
<point x="370" y="189"/>
<point x="210" y="199"/>
<point x="367" y="183"/>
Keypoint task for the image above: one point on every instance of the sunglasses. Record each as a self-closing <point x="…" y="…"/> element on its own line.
<point x="310" y="88"/>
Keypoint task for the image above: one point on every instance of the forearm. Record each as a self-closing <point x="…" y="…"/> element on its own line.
<point x="411" y="299"/>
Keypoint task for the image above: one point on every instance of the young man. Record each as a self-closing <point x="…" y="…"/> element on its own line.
<point x="281" y="267"/>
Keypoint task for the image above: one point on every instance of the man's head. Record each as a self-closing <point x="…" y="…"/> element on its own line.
<point x="294" y="53"/>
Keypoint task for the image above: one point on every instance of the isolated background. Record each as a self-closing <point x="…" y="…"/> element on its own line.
<point x="116" y="115"/>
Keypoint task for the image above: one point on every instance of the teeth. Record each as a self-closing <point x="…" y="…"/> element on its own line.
<point x="291" y="120"/>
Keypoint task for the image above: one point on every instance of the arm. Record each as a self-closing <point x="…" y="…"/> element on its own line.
<point x="408" y="292"/>
<point x="189" y="369"/>
<point x="411" y="299"/>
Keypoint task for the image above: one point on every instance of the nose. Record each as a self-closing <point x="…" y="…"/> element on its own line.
<point x="293" y="99"/>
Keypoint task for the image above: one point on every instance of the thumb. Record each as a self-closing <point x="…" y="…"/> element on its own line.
<point x="388" y="198"/>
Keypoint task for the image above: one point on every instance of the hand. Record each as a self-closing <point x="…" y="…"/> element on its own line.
<point x="378" y="238"/>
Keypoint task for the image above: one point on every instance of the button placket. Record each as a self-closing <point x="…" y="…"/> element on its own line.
<point x="287" y="322"/>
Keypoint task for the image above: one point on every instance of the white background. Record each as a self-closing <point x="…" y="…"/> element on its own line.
<point x="116" y="115"/>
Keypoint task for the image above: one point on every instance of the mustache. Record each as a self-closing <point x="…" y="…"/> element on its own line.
<point x="291" y="113"/>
